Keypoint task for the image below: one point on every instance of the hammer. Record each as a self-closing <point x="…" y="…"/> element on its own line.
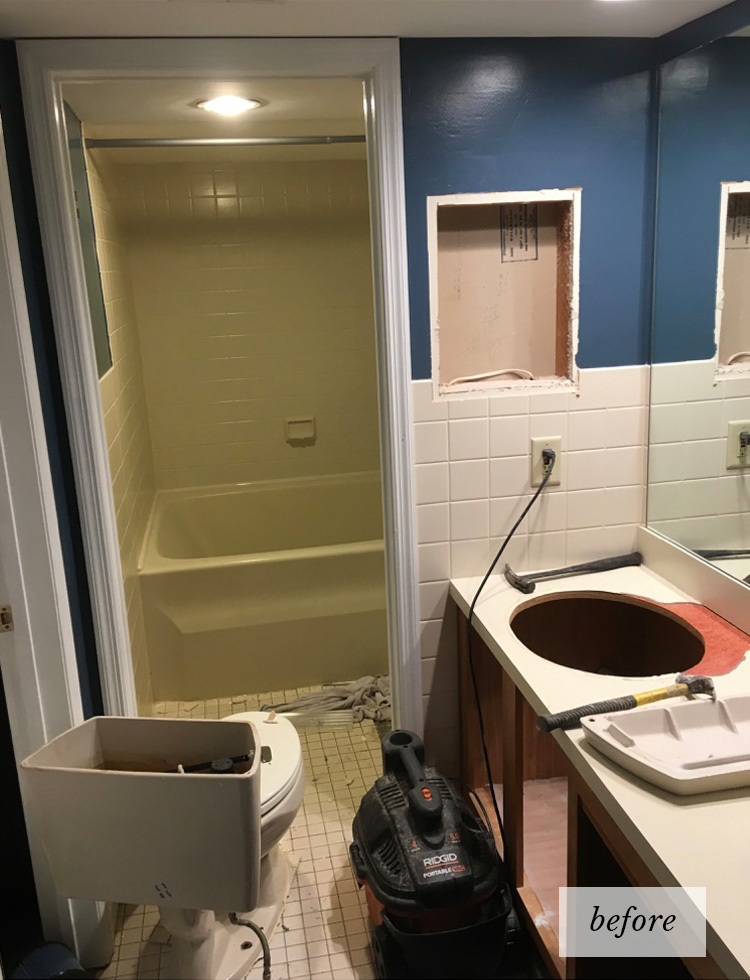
<point x="527" y="583"/>
<point x="685" y="685"/>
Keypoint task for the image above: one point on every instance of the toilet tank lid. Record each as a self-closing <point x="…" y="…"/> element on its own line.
<point x="278" y="774"/>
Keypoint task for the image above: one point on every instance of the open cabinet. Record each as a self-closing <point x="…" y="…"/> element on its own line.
<point x="557" y="833"/>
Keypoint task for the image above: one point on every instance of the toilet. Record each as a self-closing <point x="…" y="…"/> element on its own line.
<point x="282" y="777"/>
<point x="282" y="788"/>
<point x="186" y="845"/>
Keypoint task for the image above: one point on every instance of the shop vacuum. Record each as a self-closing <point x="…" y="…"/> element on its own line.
<point x="437" y="901"/>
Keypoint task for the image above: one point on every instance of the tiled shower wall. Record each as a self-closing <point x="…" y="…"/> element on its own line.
<point x="473" y="480"/>
<point x="253" y="294"/>
<point x="125" y="417"/>
<point x="693" y="497"/>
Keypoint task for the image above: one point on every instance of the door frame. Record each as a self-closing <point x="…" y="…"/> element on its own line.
<point x="38" y="657"/>
<point x="45" y="67"/>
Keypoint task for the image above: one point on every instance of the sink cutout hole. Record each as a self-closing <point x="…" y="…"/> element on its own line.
<point x="603" y="633"/>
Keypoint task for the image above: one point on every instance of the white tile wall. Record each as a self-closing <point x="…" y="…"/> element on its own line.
<point x="694" y="498"/>
<point x="236" y="298"/>
<point x="473" y="481"/>
<point x="253" y="291"/>
<point x="125" y="417"/>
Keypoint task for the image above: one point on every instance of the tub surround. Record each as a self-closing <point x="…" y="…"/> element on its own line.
<point x="660" y="829"/>
<point x="124" y="409"/>
<point x="239" y="296"/>
<point x="267" y="315"/>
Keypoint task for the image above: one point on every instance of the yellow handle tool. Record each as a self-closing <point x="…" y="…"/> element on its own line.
<point x="685" y="685"/>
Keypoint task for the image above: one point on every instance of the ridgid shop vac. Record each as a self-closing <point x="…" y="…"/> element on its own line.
<point x="437" y="903"/>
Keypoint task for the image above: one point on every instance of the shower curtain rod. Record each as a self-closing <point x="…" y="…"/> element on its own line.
<point x="95" y="144"/>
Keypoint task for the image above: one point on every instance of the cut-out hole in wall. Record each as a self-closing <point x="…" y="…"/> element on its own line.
<point x="503" y="288"/>
<point x="733" y="287"/>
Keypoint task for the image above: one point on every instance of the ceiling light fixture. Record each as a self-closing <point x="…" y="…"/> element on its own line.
<point x="229" y="105"/>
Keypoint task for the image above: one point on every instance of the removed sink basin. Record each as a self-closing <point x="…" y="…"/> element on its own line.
<point x="607" y="633"/>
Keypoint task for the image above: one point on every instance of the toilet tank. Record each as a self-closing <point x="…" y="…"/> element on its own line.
<point x="118" y="826"/>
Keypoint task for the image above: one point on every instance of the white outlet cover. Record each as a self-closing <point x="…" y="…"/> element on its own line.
<point x="537" y="465"/>
<point x="735" y="459"/>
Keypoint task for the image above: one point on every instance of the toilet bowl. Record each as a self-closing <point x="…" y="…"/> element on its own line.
<point x="282" y="788"/>
<point x="282" y="777"/>
<point x="187" y="845"/>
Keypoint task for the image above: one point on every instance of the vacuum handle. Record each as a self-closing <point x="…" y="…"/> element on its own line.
<point x="425" y="801"/>
<point x="572" y="718"/>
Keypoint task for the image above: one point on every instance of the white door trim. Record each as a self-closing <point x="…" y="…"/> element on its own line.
<point x="45" y="66"/>
<point x="37" y="659"/>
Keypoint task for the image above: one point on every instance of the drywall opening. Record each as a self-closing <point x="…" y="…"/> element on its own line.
<point x="733" y="302"/>
<point x="505" y="290"/>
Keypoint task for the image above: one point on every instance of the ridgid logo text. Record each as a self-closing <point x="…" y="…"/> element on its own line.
<point x="438" y="859"/>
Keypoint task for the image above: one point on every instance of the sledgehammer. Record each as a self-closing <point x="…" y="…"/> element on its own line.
<point x="685" y="685"/>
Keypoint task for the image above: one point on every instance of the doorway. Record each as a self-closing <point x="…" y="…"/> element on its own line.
<point x="229" y="281"/>
<point x="48" y="68"/>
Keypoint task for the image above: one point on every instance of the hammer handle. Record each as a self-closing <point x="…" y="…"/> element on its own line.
<point x="598" y="565"/>
<point x="572" y="718"/>
<point x="660" y="693"/>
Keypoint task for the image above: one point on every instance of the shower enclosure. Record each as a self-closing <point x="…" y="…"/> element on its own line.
<point x="240" y="399"/>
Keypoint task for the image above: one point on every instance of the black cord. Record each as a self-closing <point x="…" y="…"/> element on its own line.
<point x="479" y="807"/>
<point x="258" y="930"/>
<point x="549" y="456"/>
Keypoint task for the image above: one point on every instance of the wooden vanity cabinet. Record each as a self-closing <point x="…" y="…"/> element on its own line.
<point x="556" y="831"/>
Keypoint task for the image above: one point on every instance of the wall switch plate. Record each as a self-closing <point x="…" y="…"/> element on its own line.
<point x="737" y="455"/>
<point x="537" y="464"/>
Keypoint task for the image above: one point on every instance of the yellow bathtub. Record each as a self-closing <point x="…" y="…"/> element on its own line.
<point x="264" y="586"/>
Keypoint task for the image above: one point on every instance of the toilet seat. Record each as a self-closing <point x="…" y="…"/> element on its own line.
<point x="282" y="772"/>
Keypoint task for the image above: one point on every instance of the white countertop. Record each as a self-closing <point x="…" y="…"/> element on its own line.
<point x="700" y="841"/>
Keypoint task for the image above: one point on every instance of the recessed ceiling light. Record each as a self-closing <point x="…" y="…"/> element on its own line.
<point x="229" y="105"/>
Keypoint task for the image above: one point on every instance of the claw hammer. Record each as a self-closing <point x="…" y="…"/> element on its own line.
<point x="685" y="685"/>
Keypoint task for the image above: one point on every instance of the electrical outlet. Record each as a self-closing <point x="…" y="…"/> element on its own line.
<point x="737" y="454"/>
<point x="537" y="463"/>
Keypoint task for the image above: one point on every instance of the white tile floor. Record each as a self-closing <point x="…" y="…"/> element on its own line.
<point x="324" y="932"/>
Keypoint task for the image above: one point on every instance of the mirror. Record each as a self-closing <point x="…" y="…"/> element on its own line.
<point x="699" y="446"/>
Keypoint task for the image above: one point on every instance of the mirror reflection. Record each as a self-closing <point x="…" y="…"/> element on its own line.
<point x="699" y="454"/>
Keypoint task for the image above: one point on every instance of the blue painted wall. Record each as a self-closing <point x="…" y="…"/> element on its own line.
<point x="531" y="113"/>
<point x="710" y="27"/>
<point x="48" y="373"/>
<point x="704" y="140"/>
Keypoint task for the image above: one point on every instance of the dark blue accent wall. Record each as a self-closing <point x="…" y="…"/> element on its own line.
<point x="532" y="113"/>
<point x="718" y="23"/>
<point x="704" y="140"/>
<point x="48" y="372"/>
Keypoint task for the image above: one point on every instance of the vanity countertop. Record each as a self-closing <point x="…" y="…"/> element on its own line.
<point x="694" y="841"/>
